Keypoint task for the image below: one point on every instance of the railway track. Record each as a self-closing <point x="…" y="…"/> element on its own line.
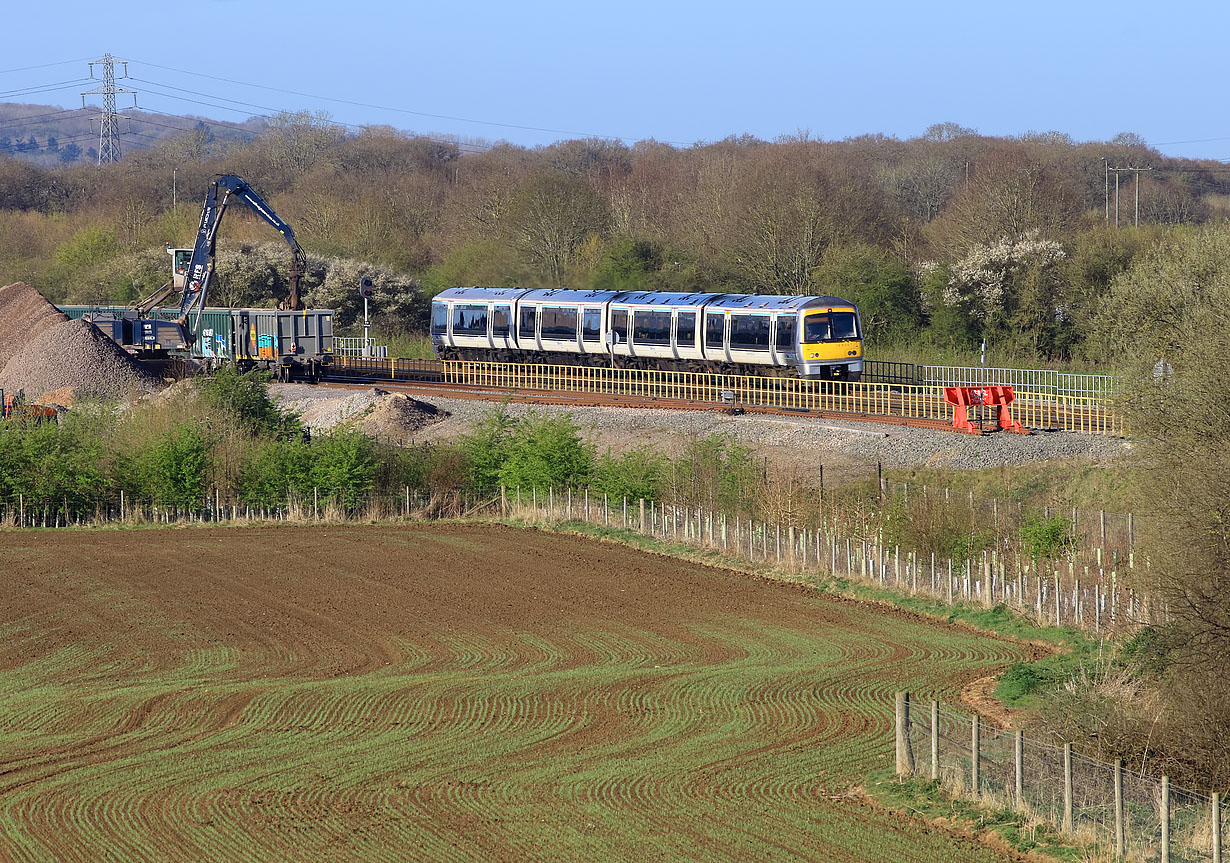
<point x="425" y="385"/>
<point x="912" y="405"/>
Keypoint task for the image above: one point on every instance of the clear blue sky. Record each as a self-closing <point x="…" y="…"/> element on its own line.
<point x="674" y="71"/>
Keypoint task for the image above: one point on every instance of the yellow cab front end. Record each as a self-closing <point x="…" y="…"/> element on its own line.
<point x="831" y="344"/>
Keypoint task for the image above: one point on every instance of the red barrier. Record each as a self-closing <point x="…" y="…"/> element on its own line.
<point x="963" y="398"/>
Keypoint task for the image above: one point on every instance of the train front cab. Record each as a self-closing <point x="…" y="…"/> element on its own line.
<point x="831" y="344"/>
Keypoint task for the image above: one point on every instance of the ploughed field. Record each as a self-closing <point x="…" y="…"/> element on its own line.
<point x="453" y="693"/>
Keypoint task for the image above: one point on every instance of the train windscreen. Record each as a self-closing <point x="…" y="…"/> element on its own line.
<point x="830" y="327"/>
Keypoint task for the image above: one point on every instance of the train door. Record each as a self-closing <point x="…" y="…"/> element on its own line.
<point x="501" y="326"/>
<point x="591" y="330"/>
<point x="784" y="339"/>
<point x="527" y="327"/>
<point x="715" y="336"/>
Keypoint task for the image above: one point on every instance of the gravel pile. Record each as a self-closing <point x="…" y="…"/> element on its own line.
<point x="24" y="315"/>
<point x="374" y="412"/>
<point x="396" y="417"/>
<point x="76" y="354"/>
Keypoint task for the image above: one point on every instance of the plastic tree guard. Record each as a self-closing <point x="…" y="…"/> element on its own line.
<point x="963" y="398"/>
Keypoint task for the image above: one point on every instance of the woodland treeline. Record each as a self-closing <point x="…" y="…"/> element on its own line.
<point x="942" y="240"/>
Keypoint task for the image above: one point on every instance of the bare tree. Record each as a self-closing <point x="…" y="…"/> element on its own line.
<point x="552" y="218"/>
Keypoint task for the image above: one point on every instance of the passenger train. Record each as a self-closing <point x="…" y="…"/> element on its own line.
<point x="765" y="334"/>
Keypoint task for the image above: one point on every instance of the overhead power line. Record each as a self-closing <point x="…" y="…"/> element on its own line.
<point x="18" y="122"/>
<point x="45" y="65"/>
<point x="1192" y="141"/>
<point x="408" y="111"/>
<point x="44" y="88"/>
<point x="469" y="148"/>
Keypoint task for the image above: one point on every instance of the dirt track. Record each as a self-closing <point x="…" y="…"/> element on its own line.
<point x="442" y="692"/>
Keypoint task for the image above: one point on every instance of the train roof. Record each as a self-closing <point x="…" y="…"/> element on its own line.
<point x="775" y="302"/>
<point x="476" y="293"/>
<point x="766" y="302"/>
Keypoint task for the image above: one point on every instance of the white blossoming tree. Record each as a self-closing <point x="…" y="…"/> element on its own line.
<point x="1010" y="290"/>
<point x="986" y="280"/>
<point x="257" y="276"/>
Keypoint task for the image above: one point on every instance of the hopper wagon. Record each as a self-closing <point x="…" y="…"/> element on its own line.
<point x="290" y="344"/>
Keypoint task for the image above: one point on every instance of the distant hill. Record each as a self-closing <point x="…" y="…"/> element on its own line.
<point x="50" y="135"/>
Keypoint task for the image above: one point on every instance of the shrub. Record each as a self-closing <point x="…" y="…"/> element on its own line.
<point x="486" y="449"/>
<point x="52" y="463"/>
<point x="275" y="471"/>
<point x="546" y="452"/>
<point x="634" y="475"/>
<point x="245" y="397"/>
<point x="175" y="471"/>
<point x="1045" y="538"/>
<point x="344" y="468"/>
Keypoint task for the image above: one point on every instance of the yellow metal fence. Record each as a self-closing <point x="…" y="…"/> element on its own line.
<point x="1033" y="410"/>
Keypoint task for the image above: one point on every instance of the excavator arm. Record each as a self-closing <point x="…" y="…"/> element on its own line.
<point x="201" y="268"/>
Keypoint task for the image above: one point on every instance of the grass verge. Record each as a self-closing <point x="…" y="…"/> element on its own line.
<point x="996" y="826"/>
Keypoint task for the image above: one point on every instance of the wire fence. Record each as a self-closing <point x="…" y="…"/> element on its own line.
<point x="1039" y="381"/>
<point x="1131" y="815"/>
<point x="1094" y="537"/>
<point x="1093" y="599"/>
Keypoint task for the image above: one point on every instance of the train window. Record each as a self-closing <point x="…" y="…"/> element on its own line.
<point x="499" y="321"/>
<point x="591" y="325"/>
<point x="651" y="327"/>
<point x="749" y="332"/>
<point x="559" y="322"/>
<point x="686" y="330"/>
<point x="619" y="325"/>
<point x="845" y="325"/>
<point x="830" y="327"/>
<point x="785" y="332"/>
<point x="526" y="328"/>
<point x="439" y="319"/>
<point x="469" y="320"/>
<point x="715" y="329"/>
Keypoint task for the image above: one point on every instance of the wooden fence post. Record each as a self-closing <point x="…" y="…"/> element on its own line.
<point x="642" y="529"/>
<point x="935" y="740"/>
<point x="1067" y="787"/>
<point x="905" y="757"/>
<point x="1018" y="752"/>
<point x="1057" y="594"/>
<point x="1215" y="805"/>
<point x="1120" y="837"/>
<point x="1164" y="817"/>
<point x="975" y="753"/>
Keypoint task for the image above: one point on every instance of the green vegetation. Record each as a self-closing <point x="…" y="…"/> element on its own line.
<point x="1047" y="538"/>
<point x="928" y="800"/>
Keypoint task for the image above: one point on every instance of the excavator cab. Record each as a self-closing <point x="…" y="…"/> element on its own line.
<point x="180" y="261"/>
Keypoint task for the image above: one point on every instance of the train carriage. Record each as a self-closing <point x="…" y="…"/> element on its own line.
<point x="813" y="337"/>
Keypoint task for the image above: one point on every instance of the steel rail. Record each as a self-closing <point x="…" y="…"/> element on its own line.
<point x="899" y="404"/>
